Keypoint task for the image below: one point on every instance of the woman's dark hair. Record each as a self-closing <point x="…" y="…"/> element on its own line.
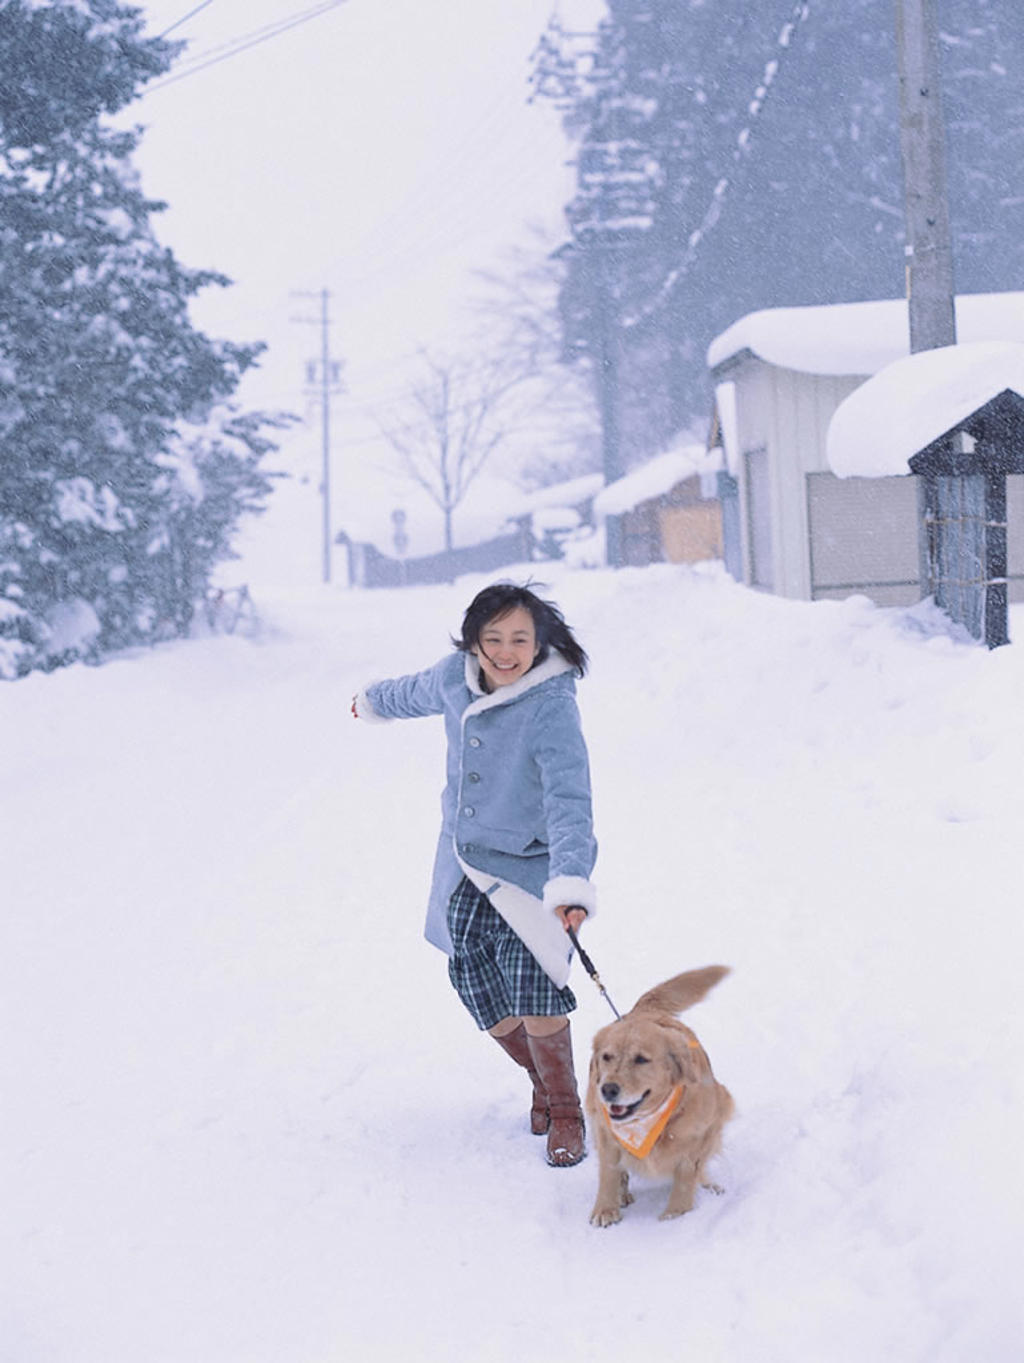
<point x="499" y="599"/>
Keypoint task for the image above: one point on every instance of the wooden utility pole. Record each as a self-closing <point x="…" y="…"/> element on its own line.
<point x="929" y="248"/>
<point x="962" y="529"/>
<point x="329" y="376"/>
<point x="325" y="413"/>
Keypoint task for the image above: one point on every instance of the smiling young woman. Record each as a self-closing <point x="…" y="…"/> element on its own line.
<point x="517" y="847"/>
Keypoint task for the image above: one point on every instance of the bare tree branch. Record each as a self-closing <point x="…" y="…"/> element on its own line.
<point x="520" y="308"/>
<point x="452" y="424"/>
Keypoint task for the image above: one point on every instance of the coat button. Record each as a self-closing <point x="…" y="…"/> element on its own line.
<point x="473" y="776"/>
<point x="469" y="811"/>
<point x="474" y="742"/>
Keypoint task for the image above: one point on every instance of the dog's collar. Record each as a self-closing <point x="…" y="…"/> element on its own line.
<point x="639" y="1135"/>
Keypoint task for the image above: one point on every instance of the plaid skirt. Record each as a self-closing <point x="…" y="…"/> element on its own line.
<point x="494" y="974"/>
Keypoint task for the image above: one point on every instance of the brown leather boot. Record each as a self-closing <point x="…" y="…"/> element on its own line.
<point x="518" y="1047"/>
<point x="552" y="1059"/>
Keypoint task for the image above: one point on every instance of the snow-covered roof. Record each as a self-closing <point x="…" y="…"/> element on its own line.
<point x="554" y="518"/>
<point x="657" y="476"/>
<point x="858" y="338"/>
<point x="571" y="493"/>
<point x="910" y="403"/>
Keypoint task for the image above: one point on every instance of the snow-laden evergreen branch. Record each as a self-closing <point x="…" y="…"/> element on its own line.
<point x="724" y="182"/>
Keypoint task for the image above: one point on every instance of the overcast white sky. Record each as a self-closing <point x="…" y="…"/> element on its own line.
<point x="384" y="150"/>
<point x="381" y="150"/>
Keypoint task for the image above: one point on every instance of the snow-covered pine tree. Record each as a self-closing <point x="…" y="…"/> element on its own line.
<point x="100" y="367"/>
<point x="655" y="137"/>
<point x="983" y="95"/>
<point x="616" y="104"/>
<point x="769" y="141"/>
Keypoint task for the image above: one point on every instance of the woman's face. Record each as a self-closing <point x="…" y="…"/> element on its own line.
<point x="507" y="647"/>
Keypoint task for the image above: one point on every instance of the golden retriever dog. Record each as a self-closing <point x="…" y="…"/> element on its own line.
<point x="655" y="1107"/>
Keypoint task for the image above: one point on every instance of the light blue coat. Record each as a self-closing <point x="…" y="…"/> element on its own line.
<point x="516" y="808"/>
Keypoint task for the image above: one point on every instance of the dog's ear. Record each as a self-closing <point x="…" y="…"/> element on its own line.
<point x="675" y="1063"/>
<point x="682" y="1063"/>
<point x="597" y="1045"/>
<point x="681" y="992"/>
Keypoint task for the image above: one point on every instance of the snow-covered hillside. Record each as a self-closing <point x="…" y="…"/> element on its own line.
<point x="246" y="1120"/>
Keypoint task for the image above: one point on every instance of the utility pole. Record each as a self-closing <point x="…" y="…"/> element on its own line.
<point x="962" y="523"/>
<point x="329" y="382"/>
<point x="929" y="248"/>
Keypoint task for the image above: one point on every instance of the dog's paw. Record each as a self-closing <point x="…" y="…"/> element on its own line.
<point x="715" y="1188"/>
<point x="605" y="1216"/>
<point x="669" y="1214"/>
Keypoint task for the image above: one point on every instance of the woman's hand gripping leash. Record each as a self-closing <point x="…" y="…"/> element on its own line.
<point x="572" y="917"/>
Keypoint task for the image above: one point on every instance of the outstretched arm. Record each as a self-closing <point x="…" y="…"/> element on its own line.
<point x="409" y="697"/>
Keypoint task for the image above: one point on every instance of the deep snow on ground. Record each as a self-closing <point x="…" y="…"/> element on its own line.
<point x="246" y="1120"/>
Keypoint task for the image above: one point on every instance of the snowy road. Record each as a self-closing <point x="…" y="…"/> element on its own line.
<point x="246" y="1121"/>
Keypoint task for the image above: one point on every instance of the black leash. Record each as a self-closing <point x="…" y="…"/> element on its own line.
<point x="588" y="966"/>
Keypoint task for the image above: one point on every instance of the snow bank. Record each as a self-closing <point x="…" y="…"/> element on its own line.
<point x="247" y="1121"/>
<point x="913" y="401"/>
<point x="858" y="338"/>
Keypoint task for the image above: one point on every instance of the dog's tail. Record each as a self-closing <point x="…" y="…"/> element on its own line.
<point x="682" y="991"/>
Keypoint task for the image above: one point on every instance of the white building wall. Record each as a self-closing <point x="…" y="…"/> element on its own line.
<point x="753" y="399"/>
<point x="782" y="419"/>
<point x="799" y="412"/>
<point x="792" y="432"/>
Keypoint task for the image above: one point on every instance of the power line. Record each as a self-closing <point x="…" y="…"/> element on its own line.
<point x="235" y="46"/>
<point x="245" y="42"/>
<point x="229" y="44"/>
<point x="186" y="17"/>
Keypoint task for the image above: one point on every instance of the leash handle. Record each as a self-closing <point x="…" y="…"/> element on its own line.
<point x="585" y="961"/>
<point x="588" y="966"/>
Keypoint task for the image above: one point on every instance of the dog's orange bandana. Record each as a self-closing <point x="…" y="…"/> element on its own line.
<point x="639" y="1135"/>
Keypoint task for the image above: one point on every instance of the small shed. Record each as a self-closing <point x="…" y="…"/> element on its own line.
<point x="953" y="416"/>
<point x="792" y="525"/>
<point x="668" y="508"/>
